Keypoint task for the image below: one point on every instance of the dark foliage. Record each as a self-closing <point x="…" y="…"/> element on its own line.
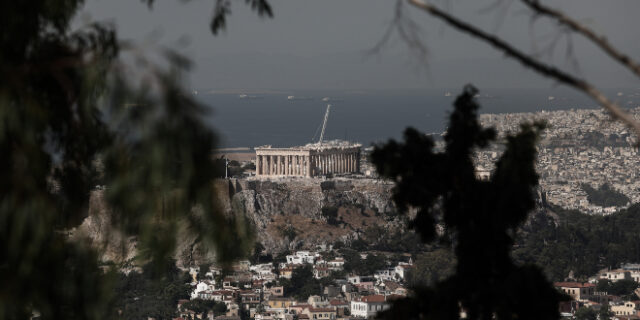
<point x="288" y="232"/>
<point x="605" y="196"/>
<point x="223" y="9"/>
<point x="384" y="239"/>
<point x="281" y="257"/>
<point x="331" y="213"/>
<point x="233" y="168"/>
<point x="582" y="243"/>
<point x="353" y="262"/>
<point x="68" y="101"/>
<point x="259" y="256"/>
<point x="482" y="217"/>
<point x="586" y="314"/>
<point x="141" y="295"/>
<point x="203" y="307"/>
<point x="619" y="288"/>
<point x="302" y="283"/>
<point x="432" y="267"/>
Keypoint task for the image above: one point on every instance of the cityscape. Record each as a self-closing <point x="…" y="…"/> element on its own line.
<point x="319" y="160"/>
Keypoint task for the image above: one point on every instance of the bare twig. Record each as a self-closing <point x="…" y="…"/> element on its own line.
<point x="530" y="62"/>
<point x="407" y="29"/>
<point x="574" y="25"/>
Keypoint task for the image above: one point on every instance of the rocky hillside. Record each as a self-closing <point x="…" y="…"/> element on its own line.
<point x="289" y="214"/>
<point x="286" y="214"/>
<point x="302" y="213"/>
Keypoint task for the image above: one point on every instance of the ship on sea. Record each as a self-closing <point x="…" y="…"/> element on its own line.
<point x="294" y="98"/>
<point x="246" y="96"/>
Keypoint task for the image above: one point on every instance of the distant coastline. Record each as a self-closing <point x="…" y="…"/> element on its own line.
<point x="367" y="118"/>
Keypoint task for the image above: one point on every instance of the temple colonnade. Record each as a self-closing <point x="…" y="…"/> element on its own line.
<point x="306" y="162"/>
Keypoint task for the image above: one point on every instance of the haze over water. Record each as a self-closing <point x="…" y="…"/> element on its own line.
<point x="367" y="117"/>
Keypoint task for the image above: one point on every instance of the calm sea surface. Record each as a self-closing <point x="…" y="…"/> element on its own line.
<point x="366" y="117"/>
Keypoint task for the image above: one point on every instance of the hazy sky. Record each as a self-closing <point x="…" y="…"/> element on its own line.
<point x="323" y="44"/>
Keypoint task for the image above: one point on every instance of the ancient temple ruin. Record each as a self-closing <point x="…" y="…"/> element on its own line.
<point x="314" y="159"/>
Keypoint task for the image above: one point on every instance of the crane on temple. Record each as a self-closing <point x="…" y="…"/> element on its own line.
<point x="311" y="160"/>
<point x="324" y="123"/>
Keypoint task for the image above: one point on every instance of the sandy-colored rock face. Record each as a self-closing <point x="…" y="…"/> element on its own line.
<point x="112" y="244"/>
<point x="297" y="204"/>
<point x="285" y="214"/>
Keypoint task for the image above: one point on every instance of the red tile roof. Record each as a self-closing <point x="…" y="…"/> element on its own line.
<point x="373" y="298"/>
<point x="338" y="303"/>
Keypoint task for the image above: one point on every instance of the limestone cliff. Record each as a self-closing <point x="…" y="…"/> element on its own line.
<point x="292" y="213"/>
<point x="302" y="213"/>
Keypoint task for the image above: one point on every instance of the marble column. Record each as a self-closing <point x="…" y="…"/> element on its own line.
<point x="273" y="165"/>
<point x="334" y="163"/>
<point x="260" y="165"/>
<point x="286" y="165"/>
<point x="313" y="165"/>
<point x="265" y="160"/>
<point x="306" y="166"/>
<point x="353" y="162"/>
<point x="324" y="164"/>
<point x="268" y="164"/>
<point x="264" y="165"/>
<point x="257" y="165"/>
<point x="294" y="165"/>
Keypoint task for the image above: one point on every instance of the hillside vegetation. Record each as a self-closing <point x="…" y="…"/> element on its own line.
<point x="581" y="243"/>
<point x="605" y="196"/>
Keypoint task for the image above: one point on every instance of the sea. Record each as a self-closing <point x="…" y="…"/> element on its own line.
<point x="246" y="119"/>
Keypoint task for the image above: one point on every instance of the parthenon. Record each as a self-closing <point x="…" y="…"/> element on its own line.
<point x="311" y="160"/>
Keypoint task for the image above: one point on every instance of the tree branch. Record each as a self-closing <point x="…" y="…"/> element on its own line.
<point x="574" y="25"/>
<point x="528" y="61"/>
